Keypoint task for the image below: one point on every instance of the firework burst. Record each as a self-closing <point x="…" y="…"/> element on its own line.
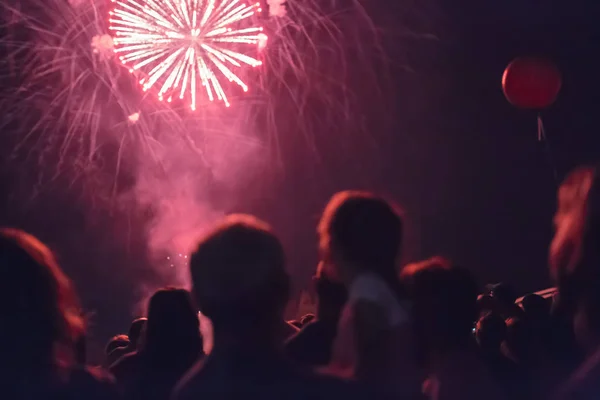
<point x="67" y="104"/>
<point x="66" y="101"/>
<point x="181" y="44"/>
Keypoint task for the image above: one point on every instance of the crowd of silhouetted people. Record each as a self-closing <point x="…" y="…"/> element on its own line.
<point x="423" y="331"/>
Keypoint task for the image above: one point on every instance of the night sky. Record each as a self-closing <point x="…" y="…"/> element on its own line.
<point x="475" y="183"/>
<point x="466" y="166"/>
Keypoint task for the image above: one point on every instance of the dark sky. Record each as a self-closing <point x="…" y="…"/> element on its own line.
<point x="475" y="183"/>
<point x="479" y="183"/>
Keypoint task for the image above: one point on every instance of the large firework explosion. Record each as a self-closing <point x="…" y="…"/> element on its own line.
<point x="61" y="57"/>
<point x="72" y="112"/>
<point x="184" y="44"/>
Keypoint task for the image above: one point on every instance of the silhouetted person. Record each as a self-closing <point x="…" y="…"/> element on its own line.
<point x="521" y="343"/>
<point x="504" y="297"/>
<point x="561" y="336"/>
<point x="575" y="267"/>
<point x="444" y="298"/>
<point x="312" y="345"/>
<point x="360" y="237"/>
<point x="536" y="314"/>
<point x="490" y="333"/>
<point x="116" y="348"/>
<point x="136" y="332"/>
<point x="135" y="336"/>
<point x="536" y="307"/>
<point x="486" y="305"/>
<point x="40" y="309"/>
<point x="172" y="344"/>
<point x="240" y="283"/>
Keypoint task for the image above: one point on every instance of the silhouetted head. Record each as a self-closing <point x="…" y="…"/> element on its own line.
<point x="576" y="222"/>
<point x="535" y="306"/>
<point x="504" y="297"/>
<point x="136" y="330"/>
<point x="445" y="303"/>
<point x="485" y="304"/>
<point x="490" y="332"/>
<point x="361" y="230"/>
<point x="116" y="341"/>
<point x="37" y="304"/>
<point x="239" y="278"/>
<point x="503" y="294"/>
<point x="575" y="250"/>
<point x="173" y="327"/>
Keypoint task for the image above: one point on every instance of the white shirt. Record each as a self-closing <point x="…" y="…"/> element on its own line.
<point x="365" y="287"/>
<point x="370" y="287"/>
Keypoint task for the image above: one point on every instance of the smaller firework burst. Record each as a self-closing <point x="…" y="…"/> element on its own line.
<point x="277" y="8"/>
<point x="103" y="45"/>
<point x="182" y="45"/>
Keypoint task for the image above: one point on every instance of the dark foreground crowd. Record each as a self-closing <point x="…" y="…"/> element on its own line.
<point x="423" y="331"/>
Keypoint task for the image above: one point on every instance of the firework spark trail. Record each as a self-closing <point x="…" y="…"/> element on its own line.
<point x="75" y="94"/>
<point x="180" y="43"/>
<point x="62" y="81"/>
<point x="73" y="101"/>
<point x="79" y="111"/>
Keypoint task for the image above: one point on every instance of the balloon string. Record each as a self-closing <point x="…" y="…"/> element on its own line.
<point x="541" y="132"/>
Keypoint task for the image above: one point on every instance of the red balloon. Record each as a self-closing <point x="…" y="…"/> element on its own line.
<point x="531" y="83"/>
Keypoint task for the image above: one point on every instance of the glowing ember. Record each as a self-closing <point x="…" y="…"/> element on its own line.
<point x="133" y="118"/>
<point x="103" y="45"/>
<point x="179" y="45"/>
<point x="277" y="8"/>
<point x="262" y="41"/>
